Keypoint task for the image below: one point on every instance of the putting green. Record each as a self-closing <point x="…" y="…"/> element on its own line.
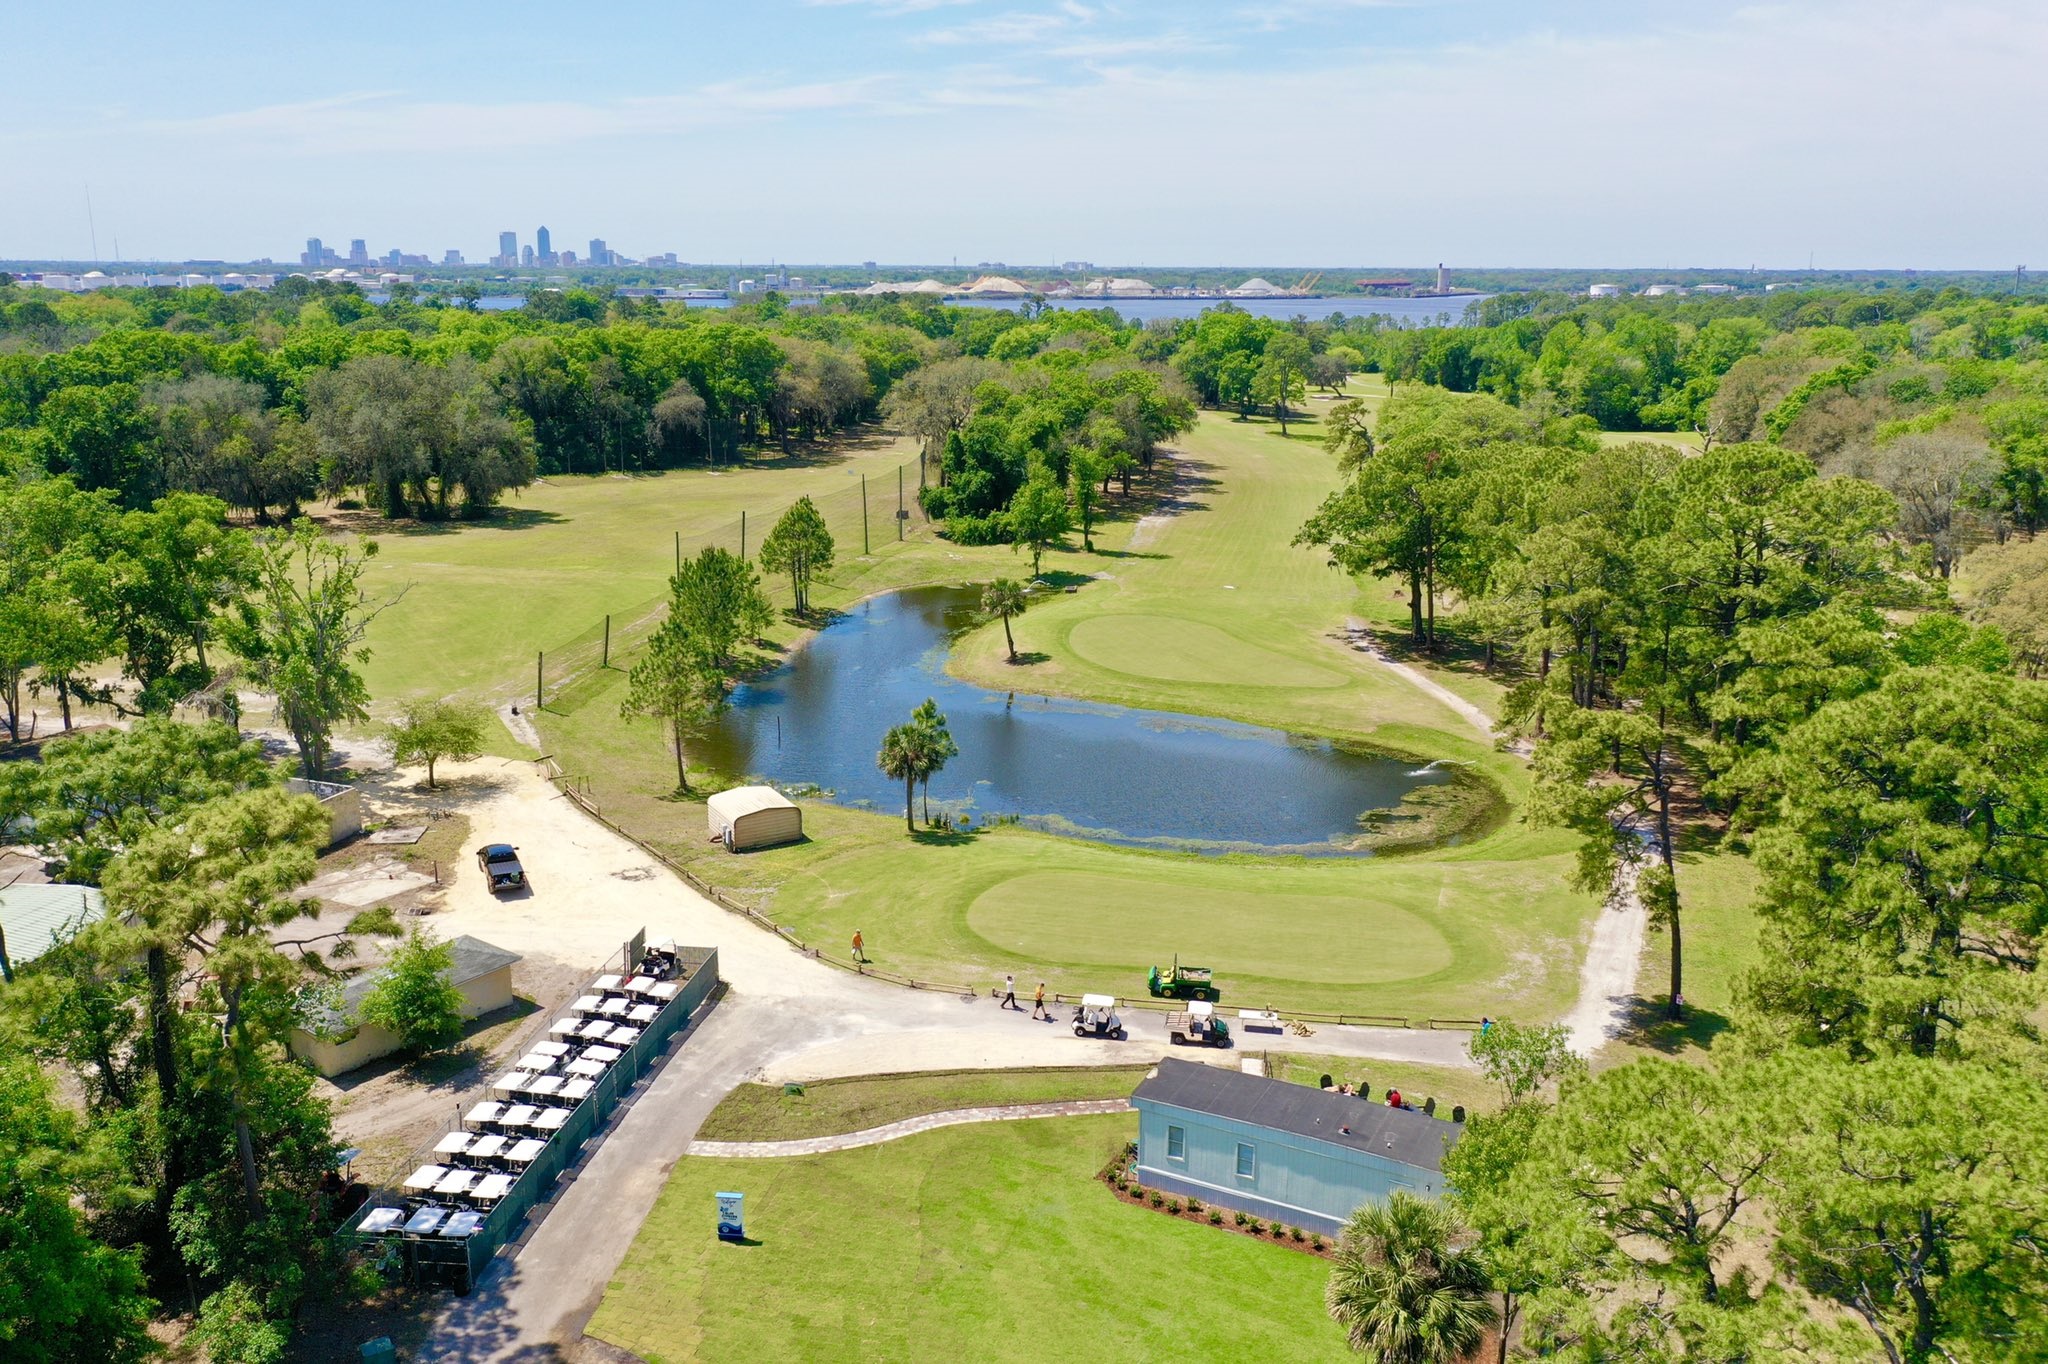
<point x="1174" y="650"/>
<point x="1085" y="919"/>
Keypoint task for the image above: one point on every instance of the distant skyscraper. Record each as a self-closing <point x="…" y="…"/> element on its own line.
<point x="453" y="257"/>
<point x="358" y="252"/>
<point x="543" y="248"/>
<point x="315" y="253"/>
<point x="508" y="248"/>
<point x="526" y="255"/>
<point x="600" y="254"/>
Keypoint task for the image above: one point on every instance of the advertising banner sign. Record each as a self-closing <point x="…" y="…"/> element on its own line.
<point x="730" y="1225"/>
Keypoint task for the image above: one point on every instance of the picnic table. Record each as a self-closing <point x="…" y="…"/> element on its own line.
<point x="487" y="1111"/>
<point x="491" y="1188"/>
<point x="520" y="1115"/>
<point x="381" y="1219"/>
<point x="553" y="1048"/>
<point x="426" y="1177"/>
<point x="1260" y="1018"/>
<point x="462" y="1224"/>
<point x="643" y="1013"/>
<point x="604" y="1054"/>
<point x="546" y="1084"/>
<point x="425" y="1220"/>
<point x="486" y="1147"/>
<point x="605" y="983"/>
<point x="576" y="1090"/>
<point x="564" y="1025"/>
<point x="454" y="1144"/>
<point x="455" y="1182"/>
<point x="551" y="1119"/>
<point x="526" y="1150"/>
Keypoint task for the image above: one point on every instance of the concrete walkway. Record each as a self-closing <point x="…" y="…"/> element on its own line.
<point x="890" y="1131"/>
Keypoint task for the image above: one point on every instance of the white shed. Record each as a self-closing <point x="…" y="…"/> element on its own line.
<point x="754" y="817"/>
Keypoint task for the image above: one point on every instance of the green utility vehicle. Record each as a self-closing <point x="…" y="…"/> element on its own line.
<point x="1183" y="982"/>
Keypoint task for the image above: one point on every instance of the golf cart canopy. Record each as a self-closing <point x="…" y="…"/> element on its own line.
<point x="1098" y="1002"/>
<point x="1200" y="1008"/>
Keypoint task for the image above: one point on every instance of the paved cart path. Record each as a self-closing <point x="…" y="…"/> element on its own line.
<point x="925" y="1122"/>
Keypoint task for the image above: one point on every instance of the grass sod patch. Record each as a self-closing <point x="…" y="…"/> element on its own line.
<point x="854" y="1104"/>
<point x="970" y="1242"/>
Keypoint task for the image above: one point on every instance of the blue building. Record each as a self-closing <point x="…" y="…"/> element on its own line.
<point x="1280" y="1151"/>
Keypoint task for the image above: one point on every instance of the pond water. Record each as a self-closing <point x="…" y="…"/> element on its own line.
<point x="1111" y="773"/>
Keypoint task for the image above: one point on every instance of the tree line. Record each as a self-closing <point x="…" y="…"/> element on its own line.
<point x="1734" y="651"/>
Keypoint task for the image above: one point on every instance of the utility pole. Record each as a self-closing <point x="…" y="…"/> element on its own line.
<point x="743" y="535"/>
<point x="539" y="660"/>
<point x="679" y="551"/>
<point x="863" y="514"/>
<point x="607" y="641"/>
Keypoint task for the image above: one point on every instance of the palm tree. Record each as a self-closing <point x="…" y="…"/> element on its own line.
<point x="1401" y="1293"/>
<point x="939" y="746"/>
<point x="1005" y="598"/>
<point x="903" y="756"/>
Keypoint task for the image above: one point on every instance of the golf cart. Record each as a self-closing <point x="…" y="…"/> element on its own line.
<point x="1096" y="1017"/>
<point x="1183" y="982"/>
<point x="1198" y="1023"/>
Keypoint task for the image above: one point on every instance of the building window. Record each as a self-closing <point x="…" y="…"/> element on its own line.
<point x="1247" y="1161"/>
<point x="1176" y="1144"/>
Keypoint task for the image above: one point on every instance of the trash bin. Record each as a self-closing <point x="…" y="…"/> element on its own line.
<point x="380" y="1351"/>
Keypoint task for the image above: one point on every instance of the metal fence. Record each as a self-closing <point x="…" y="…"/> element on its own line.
<point x="458" y="1263"/>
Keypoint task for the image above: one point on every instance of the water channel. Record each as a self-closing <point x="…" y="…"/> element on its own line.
<point x="1111" y="773"/>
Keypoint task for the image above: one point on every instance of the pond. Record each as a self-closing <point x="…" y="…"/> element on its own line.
<point x="1140" y="777"/>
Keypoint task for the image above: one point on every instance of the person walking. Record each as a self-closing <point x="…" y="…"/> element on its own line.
<point x="859" y="947"/>
<point x="1038" y="1002"/>
<point x="1009" y="992"/>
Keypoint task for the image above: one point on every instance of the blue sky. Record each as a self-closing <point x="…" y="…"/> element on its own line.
<point x="1372" y="132"/>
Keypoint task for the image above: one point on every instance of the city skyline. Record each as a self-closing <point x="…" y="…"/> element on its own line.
<point x="1199" y="133"/>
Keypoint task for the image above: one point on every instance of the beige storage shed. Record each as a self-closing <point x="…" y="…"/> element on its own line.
<point x="754" y="817"/>
<point x="339" y="1041"/>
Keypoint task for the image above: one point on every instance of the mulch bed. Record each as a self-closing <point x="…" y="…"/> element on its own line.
<point x="1154" y="1200"/>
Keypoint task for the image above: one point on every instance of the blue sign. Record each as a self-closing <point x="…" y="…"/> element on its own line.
<point x="731" y="1226"/>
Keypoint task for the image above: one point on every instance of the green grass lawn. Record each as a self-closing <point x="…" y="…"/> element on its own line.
<point x="856" y="1103"/>
<point x="986" y="1242"/>
<point x="1416" y="1082"/>
<point x="1213" y="612"/>
<point x="480" y="599"/>
<point x="1717" y="899"/>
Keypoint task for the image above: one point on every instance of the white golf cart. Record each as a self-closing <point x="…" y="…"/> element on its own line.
<point x="1096" y="1017"/>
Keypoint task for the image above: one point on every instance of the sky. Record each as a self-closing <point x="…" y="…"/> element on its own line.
<point x="1639" y="133"/>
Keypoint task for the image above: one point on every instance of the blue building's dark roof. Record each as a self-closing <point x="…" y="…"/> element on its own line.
<point x="1391" y="1133"/>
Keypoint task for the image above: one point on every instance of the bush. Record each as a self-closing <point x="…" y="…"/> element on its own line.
<point x="233" y="1330"/>
<point x="1242" y="1219"/>
<point x="1194" y="1204"/>
<point x="1296" y="1233"/>
<point x="413" y="997"/>
<point x="1258" y="1227"/>
<point x="1215" y="1218"/>
<point x="1158" y="1198"/>
<point x="1316" y="1241"/>
<point x="1173" y="1206"/>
